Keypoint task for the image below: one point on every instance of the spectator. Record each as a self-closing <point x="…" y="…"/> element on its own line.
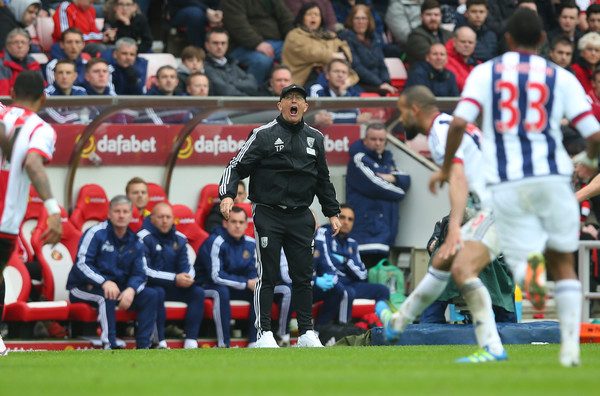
<point x="65" y="75"/>
<point x="336" y="85"/>
<point x="428" y="33"/>
<point x="137" y="192"/>
<point x="567" y="23"/>
<point x="329" y="19"/>
<point x="593" y="18"/>
<point x="129" y="70"/>
<point x="124" y="19"/>
<point x="226" y="77"/>
<point x="367" y="51"/>
<point x="97" y="78"/>
<point x="17" y="14"/>
<point x="214" y="219"/>
<point x="561" y="52"/>
<point x="341" y="276"/>
<point x="344" y="7"/>
<point x="226" y="267"/>
<point x="281" y="77"/>
<point x="171" y="273"/>
<point x="460" y="54"/>
<point x="15" y="59"/>
<point x="80" y="14"/>
<point x="308" y="48"/>
<point x="192" y="61"/>
<point x="257" y="32"/>
<point x="197" y="84"/>
<point x="109" y="273"/>
<point x="193" y="17"/>
<point x="475" y="18"/>
<point x="589" y="50"/>
<point x="433" y="74"/>
<point x="374" y="188"/>
<point x="402" y="17"/>
<point x="594" y="93"/>
<point x="166" y="82"/>
<point x="71" y="48"/>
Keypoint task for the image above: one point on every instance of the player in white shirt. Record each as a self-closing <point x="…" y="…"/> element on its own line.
<point x="26" y="142"/>
<point x="523" y="98"/>
<point x="419" y="114"/>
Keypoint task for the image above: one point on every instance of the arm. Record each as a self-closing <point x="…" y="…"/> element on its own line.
<point x="458" y="203"/>
<point x="455" y="135"/>
<point x="325" y="190"/>
<point x="162" y="278"/>
<point x="369" y="184"/>
<point x="306" y="50"/>
<point x="355" y="265"/>
<point x="591" y="190"/>
<point x="217" y="272"/>
<point x="322" y="260"/>
<point x="137" y="277"/>
<point x="87" y="254"/>
<point x="145" y="34"/>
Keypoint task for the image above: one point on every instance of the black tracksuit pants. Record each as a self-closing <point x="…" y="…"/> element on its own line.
<point x="294" y="231"/>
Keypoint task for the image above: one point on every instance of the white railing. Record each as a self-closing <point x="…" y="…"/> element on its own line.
<point x="583" y="266"/>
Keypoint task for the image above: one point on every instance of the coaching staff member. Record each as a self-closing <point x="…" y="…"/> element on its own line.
<point x="285" y="160"/>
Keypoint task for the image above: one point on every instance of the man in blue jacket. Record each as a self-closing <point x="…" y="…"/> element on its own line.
<point x="341" y="276"/>
<point x="226" y="266"/>
<point x="374" y="188"/>
<point x="433" y="74"/>
<point x="171" y="273"/>
<point x="109" y="274"/>
<point x="129" y="70"/>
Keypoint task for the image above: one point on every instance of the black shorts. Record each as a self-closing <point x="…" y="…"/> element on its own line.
<point x="7" y="247"/>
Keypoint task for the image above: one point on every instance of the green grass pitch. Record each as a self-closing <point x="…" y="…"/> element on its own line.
<point x="415" y="370"/>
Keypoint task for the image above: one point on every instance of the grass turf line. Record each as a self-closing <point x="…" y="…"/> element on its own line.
<point x="418" y="370"/>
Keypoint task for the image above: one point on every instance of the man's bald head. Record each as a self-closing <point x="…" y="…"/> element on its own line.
<point x="465" y="40"/>
<point x="162" y="217"/>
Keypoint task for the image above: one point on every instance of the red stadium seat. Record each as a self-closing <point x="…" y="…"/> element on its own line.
<point x="137" y="220"/>
<point x="35" y="207"/>
<point x="56" y="260"/>
<point x="397" y="70"/>
<point x="186" y="224"/>
<point x="156" y="194"/>
<point x="18" y="286"/>
<point x="209" y="195"/>
<point x="91" y="207"/>
<point x="360" y="308"/>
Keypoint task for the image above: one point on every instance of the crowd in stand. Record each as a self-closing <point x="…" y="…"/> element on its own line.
<point x="237" y="46"/>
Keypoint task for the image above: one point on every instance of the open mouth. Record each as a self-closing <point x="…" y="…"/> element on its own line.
<point x="294" y="110"/>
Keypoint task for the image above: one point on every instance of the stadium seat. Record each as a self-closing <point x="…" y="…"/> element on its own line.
<point x="155" y="61"/>
<point x="360" y="308"/>
<point x="377" y="113"/>
<point x="156" y="194"/>
<point x="186" y="224"/>
<point x="136" y="220"/>
<point x="397" y="70"/>
<point x="56" y="260"/>
<point x="16" y="306"/>
<point x="91" y="207"/>
<point x="40" y="58"/>
<point x="209" y="195"/>
<point x="41" y="33"/>
<point x="35" y="208"/>
<point x="99" y="23"/>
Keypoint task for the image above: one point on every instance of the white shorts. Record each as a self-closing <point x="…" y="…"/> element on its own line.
<point x="481" y="228"/>
<point x="533" y="215"/>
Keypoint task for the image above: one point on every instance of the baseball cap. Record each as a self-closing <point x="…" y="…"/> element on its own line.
<point x="290" y="88"/>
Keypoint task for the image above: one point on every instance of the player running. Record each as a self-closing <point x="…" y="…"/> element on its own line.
<point x="27" y="143"/>
<point x="523" y="98"/>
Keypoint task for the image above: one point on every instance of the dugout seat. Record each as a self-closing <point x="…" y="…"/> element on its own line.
<point x="56" y="260"/>
<point x="16" y="306"/>
<point x="209" y="195"/>
<point x="155" y="61"/>
<point x="156" y="194"/>
<point x="360" y="308"/>
<point x="91" y="207"/>
<point x="35" y="208"/>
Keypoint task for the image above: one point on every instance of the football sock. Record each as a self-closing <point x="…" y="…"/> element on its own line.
<point x="479" y="302"/>
<point x="427" y="291"/>
<point x="568" y="298"/>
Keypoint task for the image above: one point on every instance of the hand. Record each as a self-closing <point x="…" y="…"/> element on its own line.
<point x="388" y="177"/>
<point x="323" y="118"/>
<point x="183" y="280"/>
<point x="388" y="87"/>
<point x="364" y="118"/>
<point x="215" y="17"/>
<point x="225" y="206"/>
<point x="452" y="244"/>
<point x="251" y="284"/>
<point x="53" y="232"/>
<point x="583" y="159"/>
<point x="335" y="224"/>
<point x="324" y="282"/>
<point x="266" y="49"/>
<point x="111" y="290"/>
<point x="339" y="55"/>
<point x="126" y="298"/>
<point x="437" y="179"/>
<point x="123" y="16"/>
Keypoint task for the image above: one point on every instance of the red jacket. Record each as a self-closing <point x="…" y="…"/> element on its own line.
<point x="458" y="66"/>
<point x="10" y="69"/>
<point x="584" y="74"/>
<point x="69" y="15"/>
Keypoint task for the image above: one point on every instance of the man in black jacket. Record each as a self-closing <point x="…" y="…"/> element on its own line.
<point x="285" y="160"/>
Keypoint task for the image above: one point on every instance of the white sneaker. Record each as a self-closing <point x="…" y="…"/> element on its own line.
<point x="3" y="348"/>
<point x="162" y="345"/>
<point x="266" y="341"/>
<point x="190" y="343"/>
<point x="309" y="340"/>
